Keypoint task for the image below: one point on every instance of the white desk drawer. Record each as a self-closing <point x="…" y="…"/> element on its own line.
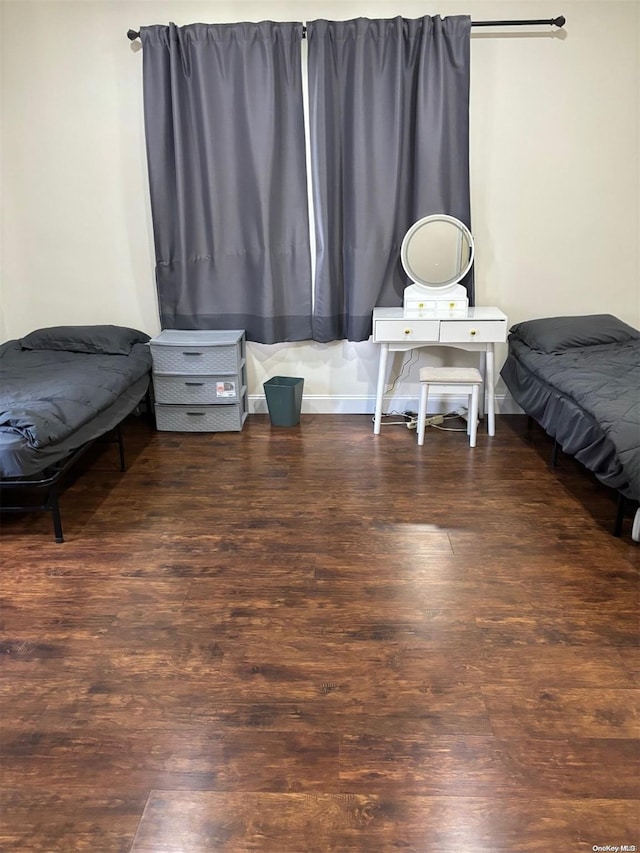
<point x="478" y="331"/>
<point x="407" y="329"/>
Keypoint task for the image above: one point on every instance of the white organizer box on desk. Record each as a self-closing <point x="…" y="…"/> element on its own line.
<point x="199" y="380"/>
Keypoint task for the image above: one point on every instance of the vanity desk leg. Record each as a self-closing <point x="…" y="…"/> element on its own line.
<point x="482" y="367"/>
<point x="382" y="372"/>
<point x="490" y="386"/>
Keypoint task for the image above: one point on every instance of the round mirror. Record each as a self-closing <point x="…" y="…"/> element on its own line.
<point x="437" y="251"/>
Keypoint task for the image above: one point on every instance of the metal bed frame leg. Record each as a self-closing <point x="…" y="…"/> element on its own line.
<point x="529" y="432"/>
<point x="151" y="406"/>
<point x="622" y="501"/>
<point x="49" y="485"/>
<point x="120" y="448"/>
<point x="55" y="515"/>
<point x="617" y="527"/>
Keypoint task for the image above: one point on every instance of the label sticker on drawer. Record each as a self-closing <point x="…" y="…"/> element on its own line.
<point x="225" y="389"/>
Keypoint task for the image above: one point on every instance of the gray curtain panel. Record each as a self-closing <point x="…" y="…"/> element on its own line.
<point x="389" y="124"/>
<point x="226" y="156"/>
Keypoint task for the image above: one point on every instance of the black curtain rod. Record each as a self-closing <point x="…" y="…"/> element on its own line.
<point x="560" y="21"/>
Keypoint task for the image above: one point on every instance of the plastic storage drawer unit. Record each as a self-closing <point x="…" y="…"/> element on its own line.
<point x="199" y="380"/>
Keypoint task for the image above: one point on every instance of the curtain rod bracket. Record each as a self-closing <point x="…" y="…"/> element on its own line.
<point x="559" y="22"/>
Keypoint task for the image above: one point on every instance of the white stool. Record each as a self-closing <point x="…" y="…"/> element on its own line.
<point x="465" y="379"/>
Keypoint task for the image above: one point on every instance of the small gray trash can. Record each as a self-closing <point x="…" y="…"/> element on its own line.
<point x="284" y="399"/>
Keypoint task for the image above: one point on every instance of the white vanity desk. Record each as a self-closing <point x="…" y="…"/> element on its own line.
<point x="473" y="329"/>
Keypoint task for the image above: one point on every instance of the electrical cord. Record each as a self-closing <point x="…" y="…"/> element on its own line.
<point x="405" y="367"/>
<point x="412" y="422"/>
<point x="405" y="415"/>
<point x="391" y="414"/>
<point x="448" y="429"/>
<point x="448" y="417"/>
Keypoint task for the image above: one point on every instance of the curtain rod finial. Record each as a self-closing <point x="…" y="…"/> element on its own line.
<point x="560" y="21"/>
<point x="132" y="35"/>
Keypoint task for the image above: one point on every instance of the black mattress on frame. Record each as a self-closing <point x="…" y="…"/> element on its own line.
<point x="579" y="378"/>
<point x="55" y="399"/>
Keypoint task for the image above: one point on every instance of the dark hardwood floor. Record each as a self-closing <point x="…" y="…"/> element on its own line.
<point x="313" y="639"/>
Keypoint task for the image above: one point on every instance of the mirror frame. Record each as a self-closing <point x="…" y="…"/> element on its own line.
<point x="417" y="226"/>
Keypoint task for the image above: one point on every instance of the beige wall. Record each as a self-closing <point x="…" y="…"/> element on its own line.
<point x="554" y="158"/>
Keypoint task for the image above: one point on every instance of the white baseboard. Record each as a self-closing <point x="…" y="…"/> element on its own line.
<point x="342" y="405"/>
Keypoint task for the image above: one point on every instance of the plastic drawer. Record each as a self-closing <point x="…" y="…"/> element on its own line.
<point x="192" y="389"/>
<point x="201" y="418"/>
<point x="195" y="359"/>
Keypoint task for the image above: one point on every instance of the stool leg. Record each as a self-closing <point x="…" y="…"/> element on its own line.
<point x="422" y="411"/>
<point x="473" y="416"/>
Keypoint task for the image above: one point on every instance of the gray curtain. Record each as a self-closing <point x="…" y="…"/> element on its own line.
<point x="226" y="157"/>
<point x="389" y="124"/>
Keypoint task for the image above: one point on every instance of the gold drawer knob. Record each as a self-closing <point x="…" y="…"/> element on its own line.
<point x="473" y="332"/>
<point x="452" y="305"/>
<point x="407" y="331"/>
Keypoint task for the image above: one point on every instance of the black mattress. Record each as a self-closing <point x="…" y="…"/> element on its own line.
<point x="63" y="387"/>
<point x="579" y="378"/>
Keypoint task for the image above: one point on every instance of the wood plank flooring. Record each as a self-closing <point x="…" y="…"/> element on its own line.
<point x="313" y="639"/>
